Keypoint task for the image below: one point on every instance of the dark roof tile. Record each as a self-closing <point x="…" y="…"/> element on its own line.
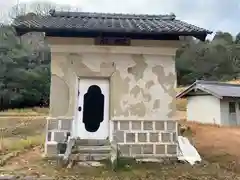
<point x="106" y="22"/>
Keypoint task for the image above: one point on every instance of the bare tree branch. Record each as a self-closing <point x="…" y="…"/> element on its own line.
<point x="38" y="8"/>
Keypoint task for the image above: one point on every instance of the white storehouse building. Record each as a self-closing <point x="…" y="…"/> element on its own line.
<point x="213" y="103"/>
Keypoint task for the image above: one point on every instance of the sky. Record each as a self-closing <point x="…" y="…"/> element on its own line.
<point x="214" y="15"/>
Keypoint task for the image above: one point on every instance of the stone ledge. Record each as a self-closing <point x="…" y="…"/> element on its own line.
<point x="60" y="118"/>
<point x="144" y="120"/>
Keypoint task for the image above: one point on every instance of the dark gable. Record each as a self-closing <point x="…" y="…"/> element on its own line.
<point x="83" y="24"/>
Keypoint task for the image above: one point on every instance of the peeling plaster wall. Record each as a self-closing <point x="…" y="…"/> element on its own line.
<point x="142" y="97"/>
<point x="143" y="88"/>
<point x="141" y="85"/>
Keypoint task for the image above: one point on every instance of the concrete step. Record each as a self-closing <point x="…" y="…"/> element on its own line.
<point x="88" y="157"/>
<point x="91" y="149"/>
<point x="92" y="142"/>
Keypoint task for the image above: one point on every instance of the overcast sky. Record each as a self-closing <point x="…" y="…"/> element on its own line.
<point x="214" y="15"/>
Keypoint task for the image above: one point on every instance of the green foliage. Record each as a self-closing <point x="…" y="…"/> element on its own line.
<point x="25" y="72"/>
<point x="218" y="60"/>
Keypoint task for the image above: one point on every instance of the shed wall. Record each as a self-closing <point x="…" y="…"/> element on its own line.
<point x="224" y="105"/>
<point x="225" y="116"/>
<point x="204" y="109"/>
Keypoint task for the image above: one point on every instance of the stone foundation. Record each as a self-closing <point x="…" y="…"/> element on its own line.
<point x="57" y="129"/>
<point x="146" y="138"/>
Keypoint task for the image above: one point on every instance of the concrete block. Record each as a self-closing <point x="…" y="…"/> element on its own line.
<point x="66" y="125"/>
<point x="142" y="137"/>
<point x="160" y="149"/>
<point x="49" y="136"/>
<point x="166" y="137"/>
<point x="59" y="136"/>
<point x="130" y="137"/>
<point x="148" y="149"/>
<point x="174" y="136"/>
<point x="136" y="149"/>
<point x="118" y="136"/>
<point x="160" y="125"/>
<point x="115" y="125"/>
<point x="148" y="125"/>
<point x="52" y="124"/>
<point x="171" y="125"/>
<point x="136" y="125"/>
<point x="124" y="125"/>
<point x="172" y="149"/>
<point x="154" y="137"/>
<point x="124" y="149"/>
<point x="51" y="149"/>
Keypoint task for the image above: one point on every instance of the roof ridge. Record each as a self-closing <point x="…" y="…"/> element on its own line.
<point x="55" y="13"/>
<point x="215" y="83"/>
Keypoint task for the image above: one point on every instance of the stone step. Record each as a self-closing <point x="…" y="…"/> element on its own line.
<point x="92" y="142"/>
<point x="88" y="157"/>
<point x="91" y="149"/>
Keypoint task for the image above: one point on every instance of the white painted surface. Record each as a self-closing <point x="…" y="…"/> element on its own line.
<point x="103" y="131"/>
<point x="187" y="152"/>
<point x="226" y="118"/>
<point x="204" y="109"/>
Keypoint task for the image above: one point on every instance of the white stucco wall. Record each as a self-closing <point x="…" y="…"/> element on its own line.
<point x="204" y="109"/>
<point x="225" y="118"/>
<point x="224" y="105"/>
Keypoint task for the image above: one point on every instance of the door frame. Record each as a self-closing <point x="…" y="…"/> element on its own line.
<point x="233" y="122"/>
<point x="76" y="112"/>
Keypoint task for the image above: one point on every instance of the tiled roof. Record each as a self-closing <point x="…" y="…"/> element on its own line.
<point x="125" y="24"/>
<point x="214" y="88"/>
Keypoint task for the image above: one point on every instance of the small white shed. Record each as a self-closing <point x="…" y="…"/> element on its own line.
<point x="213" y="102"/>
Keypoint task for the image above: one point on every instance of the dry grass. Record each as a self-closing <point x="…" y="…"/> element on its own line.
<point x="236" y="81"/>
<point x="217" y="146"/>
<point x="181" y="104"/>
<point x="16" y="144"/>
<point x="36" y="111"/>
<point x="20" y="133"/>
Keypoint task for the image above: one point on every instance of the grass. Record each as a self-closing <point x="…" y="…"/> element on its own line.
<point x="221" y="157"/>
<point x="36" y="111"/>
<point x="181" y="104"/>
<point x="11" y="144"/>
<point x="21" y="133"/>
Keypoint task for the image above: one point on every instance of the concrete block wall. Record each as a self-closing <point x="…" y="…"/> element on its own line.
<point x="57" y="129"/>
<point x="146" y="138"/>
<point x="135" y="138"/>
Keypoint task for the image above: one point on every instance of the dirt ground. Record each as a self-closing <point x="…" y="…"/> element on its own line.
<point x="217" y="146"/>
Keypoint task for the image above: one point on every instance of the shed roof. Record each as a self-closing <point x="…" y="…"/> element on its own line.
<point x="73" y="24"/>
<point x="217" y="89"/>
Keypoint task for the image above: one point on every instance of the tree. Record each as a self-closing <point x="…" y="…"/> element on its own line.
<point x="38" y="8"/>
<point x="237" y="40"/>
<point x="218" y="59"/>
<point x="25" y="60"/>
<point x="223" y="37"/>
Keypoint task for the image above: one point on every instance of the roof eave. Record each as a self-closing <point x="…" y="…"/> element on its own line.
<point x="183" y="93"/>
<point x="195" y="85"/>
<point x="98" y="32"/>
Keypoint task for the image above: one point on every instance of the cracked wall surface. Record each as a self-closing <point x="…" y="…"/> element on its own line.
<point x="142" y="98"/>
<point x="141" y="86"/>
